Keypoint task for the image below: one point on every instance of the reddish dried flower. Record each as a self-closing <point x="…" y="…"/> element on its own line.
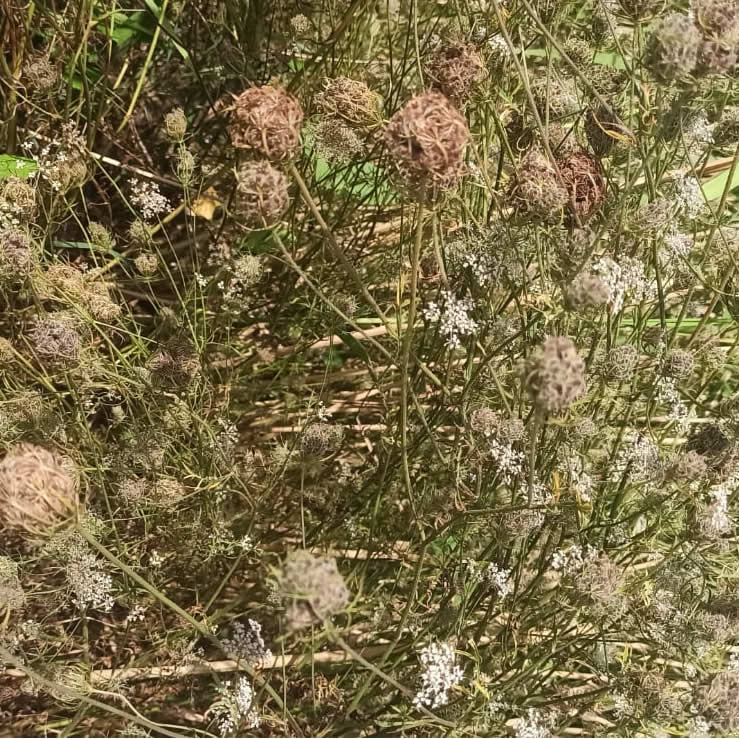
<point x="454" y="69"/>
<point x="583" y="178"/>
<point x="554" y="375"/>
<point x="262" y="193"/>
<point x="267" y="120"/>
<point x="427" y="140"/>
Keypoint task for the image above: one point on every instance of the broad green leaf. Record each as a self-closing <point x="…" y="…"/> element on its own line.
<point x="12" y="166"/>
<point x="714" y="187"/>
<point x="610" y="59"/>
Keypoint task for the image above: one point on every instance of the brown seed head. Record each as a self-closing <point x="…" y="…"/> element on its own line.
<point x="586" y="291"/>
<point x="455" y="69"/>
<point x="672" y="50"/>
<point x="426" y="139"/>
<point x="20" y="197"/>
<point x="267" y="120"/>
<point x="176" y="364"/>
<point x="175" y="124"/>
<point x="39" y="489"/>
<point x="715" y="17"/>
<point x="17" y="257"/>
<point x="319" y="439"/>
<point x="583" y="178"/>
<point x="536" y="190"/>
<point x="262" y="193"/>
<point x="351" y="101"/>
<point x="555" y="375"/>
<point x="56" y="341"/>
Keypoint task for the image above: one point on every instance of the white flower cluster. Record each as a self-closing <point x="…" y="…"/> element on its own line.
<point x="536" y="724"/>
<point x="475" y="254"/>
<point x="441" y="674"/>
<point x="91" y="586"/>
<point x="581" y="481"/>
<point x="573" y="558"/>
<point x="697" y="135"/>
<point x="246" y="642"/>
<point x="497" y="577"/>
<point x="677" y="246"/>
<point x="146" y="196"/>
<point x="508" y="461"/>
<point x="234" y="708"/>
<point x="689" y="196"/>
<point x="454" y="318"/>
<point x="623" y="279"/>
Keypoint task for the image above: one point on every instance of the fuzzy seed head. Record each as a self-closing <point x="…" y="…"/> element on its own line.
<point x="20" y="197"/>
<point x="247" y="271"/>
<point x="621" y="362"/>
<point x="39" y="489"/>
<point x="100" y="237"/>
<point x="586" y="186"/>
<point x="147" y="264"/>
<point x="715" y="17"/>
<point x="554" y="376"/>
<point x="719" y="701"/>
<point x="312" y="588"/>
<point x="40" y="74"/>
<point x="688" y="467"/>
<point x="56" y="341"/>
<point x="537" y="191"/>
<point x="335" y="141"/>
<point x="717" y="55"/>
<point x="679" y="363"/>
<point x="267" y="120"/>
<point x="587" y="291"/>
<point x="175" y="125"/>
<point x="262" y="193"/>
<point x="484" y="421"/>
<point x="455" y="69"/>
<point x="17" y="257"/>
<point x="350" y="100"/>
<point x="176" y="364"/>
<point x="427" y="139"/>
<point x="320" y="439"/>
<point x="673" y="48"/>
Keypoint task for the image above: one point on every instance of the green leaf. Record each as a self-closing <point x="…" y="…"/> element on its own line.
<point x="355" y="347"/>
<point x="714" y="188"/>
<point x="12" y="166"/>
<point x="610" y="59"/>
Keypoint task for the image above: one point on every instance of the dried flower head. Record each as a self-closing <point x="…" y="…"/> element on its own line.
<point x="166" y="492"/>
<point x="709" y="441"/>
<point x="57" y="341"/>
<point x="679" y="363"/>
<point x="19" y="197"/>
<point x="688" y="467"/>
<point x="320" y="439"/>
<point x="719" y="701"/>
<point x="100" y="237"/>
<point x="537" y="189"/>
<point x="39" y="489"/>
<point x="484" y="421"/>
<point x="601" y="581"/>
<point x="586" y="186"/>
<point x="350" y="100"/>
<point x="312" y="588"/>
<point x="176" y="364"/>
<point x="40" y="74"/>
<point x="335" y="141"/>
<point x="147" y="263"/>
<point x="427" y="139"/>
<point x="554" y="376"/>
<point x="262" y="193"/>
<point x="17" y="257"/>
<point x="557" y="95"/>
<point x="717" y="55"/>
<point x="267" y="120"/>
<point x="139" y="233"/>
<point x="586" y="291"/>
<point x="715" y="17"/>
<point x="175" y="124"/>
<point x="621" y="362"/>
<point x="673" y="47"/>
<point x="602" y="129"/>
<point x="454" y="69"/>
